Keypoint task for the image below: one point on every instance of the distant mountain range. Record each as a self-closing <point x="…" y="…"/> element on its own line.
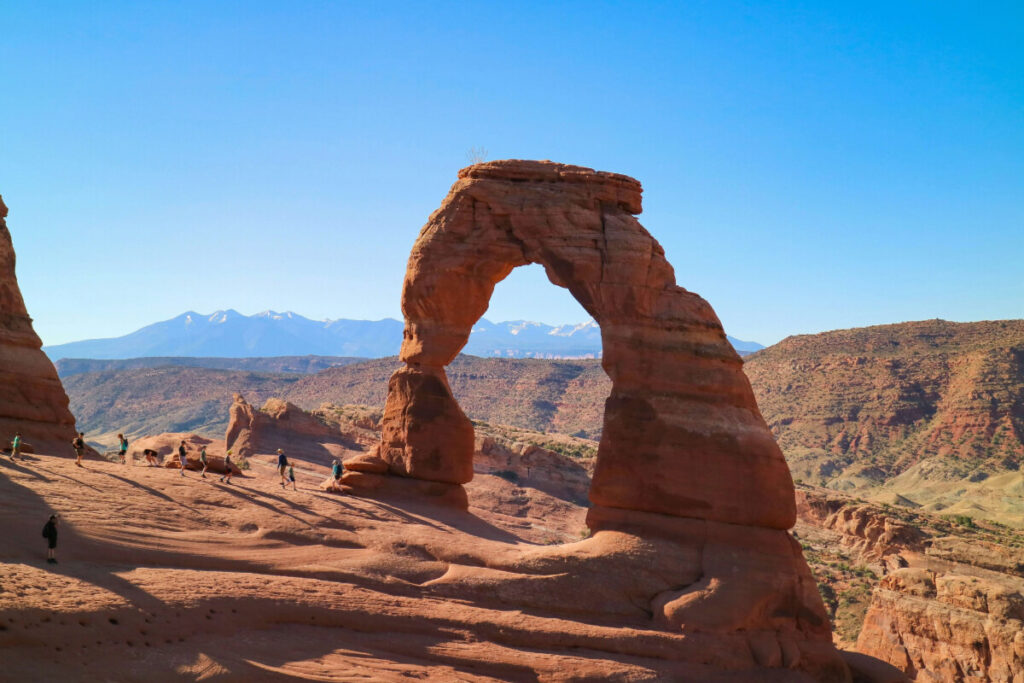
<point x="229" y="334"/>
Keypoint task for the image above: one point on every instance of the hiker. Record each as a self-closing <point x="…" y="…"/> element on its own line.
<point x="150" y="455"/>
<point x="282" y="466"/>
<point x="202" y="460"/>
<point x="50" y="534"/>
<point x="122" y="448"/>
<point x="16" y="447"/>
<point x="227" y="469"/>
<point x="337" y="470"/>
<point x="291" y="478"/>
<point x="79" y="444"/>
<point x="183" y="457"/>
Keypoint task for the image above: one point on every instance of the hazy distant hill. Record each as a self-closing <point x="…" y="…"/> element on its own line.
<point x="229" y="334"/>
<point x="304" y="365"/>
<point x="557" y="396"/>
<point x="928" y="413"/>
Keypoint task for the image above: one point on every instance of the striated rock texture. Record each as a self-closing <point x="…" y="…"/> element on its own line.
<point x="32" y="399"/>
<point x="929" y="408"/>
<point x="692" y="497"/>
<point x="310" y="436"/>
<point x="943" y="625"/>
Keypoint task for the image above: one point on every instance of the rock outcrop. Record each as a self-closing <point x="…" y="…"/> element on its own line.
<point x="32" y="399"/>
<point x="278" y="424"/>
<point x="943" y="624"/>
<point x="692" y="497"/>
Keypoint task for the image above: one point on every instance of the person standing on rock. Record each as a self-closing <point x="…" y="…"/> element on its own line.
<point x="226" y="478"/>
<point x="202" y="460"/>
<point x="79" y="444"/>
<point x="183" y="457"/>
<point x="282" y="467"/>
<point x="291" y="478"/>
<point x="122" y="448"/>
<point x="50" y="534"/>
<point x="16" y="447"/>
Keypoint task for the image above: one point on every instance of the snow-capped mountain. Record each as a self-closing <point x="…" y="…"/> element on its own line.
<point x="229" y="334"/>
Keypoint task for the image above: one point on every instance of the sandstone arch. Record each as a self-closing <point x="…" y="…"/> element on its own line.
<point x="682" y="432"/>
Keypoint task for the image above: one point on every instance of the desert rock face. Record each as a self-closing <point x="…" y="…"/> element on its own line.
<point x="682" y="434"/>
<point x="32" y="399"/>
<point x="942" y="624"/>
<point x="692" y="497"/>
<point x="309" y="436"/>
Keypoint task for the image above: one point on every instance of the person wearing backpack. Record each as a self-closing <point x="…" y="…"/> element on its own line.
<point x="79" y="444"/>
<point x="282" y="467"/>
<point x="50" y="534"/>
<point x="202" y="461"/>
<point x="122" y="448"/>
<point x="291" y="478"/>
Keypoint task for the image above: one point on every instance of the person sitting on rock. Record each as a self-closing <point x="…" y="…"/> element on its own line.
<point x="183" y="457"/>
<point x="16" y="447"/>
<point x="150" y="455"/>
<point x="50" y="534"/>
<point x="122" y="448"/>
<point x="282" y="467"/>
<point x="79" y="444"/>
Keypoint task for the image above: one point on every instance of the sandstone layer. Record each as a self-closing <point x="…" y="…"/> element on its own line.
<point x="316" y="437"/>
<point x="692" y="497"/>
<point x="930" y="411"/>
<point x="32" y="399"/>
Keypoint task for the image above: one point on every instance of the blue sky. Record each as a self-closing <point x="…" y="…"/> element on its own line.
<point x="807" y="166"/>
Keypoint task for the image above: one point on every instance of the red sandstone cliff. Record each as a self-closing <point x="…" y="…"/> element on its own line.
<point x="32" y="399"/>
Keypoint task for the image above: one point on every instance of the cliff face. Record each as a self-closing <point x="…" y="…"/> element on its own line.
<point x="947" y="624"/>
<point x="940" y="599"/>
<point x="927" y="408"/>
<point x="32" y="399"/>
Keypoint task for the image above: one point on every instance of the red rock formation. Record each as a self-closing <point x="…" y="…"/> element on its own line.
<point x="32" y="399"/>
<point x="943" y="625"/>
<point x="692" y="495"/>
<point x="682" y="433"/>
<point x="279" y="424"/>
<point x="863" y="529"/>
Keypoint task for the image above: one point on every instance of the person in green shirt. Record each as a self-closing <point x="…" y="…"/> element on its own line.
<point x="291" y="477"/>
<point x="16" y="447"/>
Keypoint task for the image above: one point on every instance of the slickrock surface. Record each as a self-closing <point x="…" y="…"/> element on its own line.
<point x="692" y="495"/>
<point x="32" y="399"/>
<point x="164" y="578"/>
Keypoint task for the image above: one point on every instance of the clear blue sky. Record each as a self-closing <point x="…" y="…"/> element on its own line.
<point x="807" y="166"/>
